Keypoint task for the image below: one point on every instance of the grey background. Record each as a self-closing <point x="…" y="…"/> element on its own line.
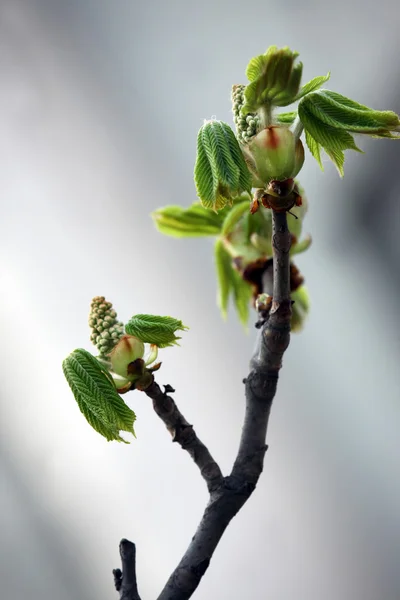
<point x="100" y="103"/>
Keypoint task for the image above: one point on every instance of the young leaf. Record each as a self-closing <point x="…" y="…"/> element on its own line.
<point x="220" y="172"/>
<point x="340" y="112"/>
<point x="233" y="216"/>
<point x="334" y="141"/>
<point x="314" y="148"/>
<point x="97" y="398"/>
<point x="312" y="85"/>
<point x="153" y="329"/>
<point x="242" y="293"/>
<point x="286" y="118"/>
<point x="300" y="308"/>
<point x="194" y="221"/>
<point x="301" y="246"/>
<point x="223" y="264"/>
<point x="274" y="79"/>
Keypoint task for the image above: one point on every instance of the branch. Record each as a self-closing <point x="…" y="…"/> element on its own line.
<point x="183" y="433"/>
<point x="260" y="387"/>
<point x="125" y="580"/>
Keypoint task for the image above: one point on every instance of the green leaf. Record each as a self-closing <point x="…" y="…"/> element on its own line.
<point x="153" y="329"/>
<point x="242" y="293"/>
<point x="312" y="85"/>
<point x="288" y="95"/>
<point x="301" y="246"/>
<point x="314" y="148"/>
<point x="220" y="172"/>
<point x="334" y="141"/>
<point x="194" y="221"/>
<point x="329" y="119"/>
<point x="286" y="118"/>
<point x="223" y="264"/>
<point x="233" y="217"/>
<point x="342" y="113"/>
<point x="274" y="79"/>
<point x="97" y="398"/>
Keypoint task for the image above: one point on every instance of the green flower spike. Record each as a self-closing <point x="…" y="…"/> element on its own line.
<point x="106" y="329"/>
<point x="220" y="172"/>
<point x="246" y="125"/>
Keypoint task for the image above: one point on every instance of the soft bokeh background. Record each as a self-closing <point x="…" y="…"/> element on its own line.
<point x="100" y="103"/>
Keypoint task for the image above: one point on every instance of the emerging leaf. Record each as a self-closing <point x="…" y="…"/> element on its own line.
<point x="223" y="264"/>
<point x="328" y="119"/>
<point x="312" y="85"/>
<point x="242" y="294"/>
<point x="286" y="118"/>
<point x="274" y="79"/>
<point x="233" y="216"/>
<point x="195" y="221"/>
<point x="96" y="395"/>
<point x="153" y="329"/>
<point x="342" y="113"/>
<point x="220" y="172"/>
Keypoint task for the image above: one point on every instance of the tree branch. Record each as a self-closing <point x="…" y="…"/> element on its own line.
<point x="125" y="580"/>
<point x="183" y="433"/>
<point x="260" y="387"/>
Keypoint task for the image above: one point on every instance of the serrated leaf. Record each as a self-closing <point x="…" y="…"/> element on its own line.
<point x="233" y="217"/>
<point x="155" y="329"/>
<point x="286" y="118"/>
<point x="224" y="268"/>
<point x="333" y="140"/>
<point x="314" y="148"/>
<point x="288" y="96"/>
<point x="242" y="293"/>
<point x="312" y="85"/>
<point x="194" y="221"/>
<point x="342" y="113"/>
<point x="96" y="396"/>
<point x="220" y="171"/>
<point x="273" y="79"/>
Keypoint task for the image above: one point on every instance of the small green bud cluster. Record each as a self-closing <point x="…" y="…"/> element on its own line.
<point x="246" y="125"/>
<point x="106" y="329"/>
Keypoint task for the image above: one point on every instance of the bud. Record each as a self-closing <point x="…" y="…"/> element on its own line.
<point x="276" y="154"/>
<point x="128" y="350"/>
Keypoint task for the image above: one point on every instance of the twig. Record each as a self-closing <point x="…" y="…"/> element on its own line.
<point x="260" y="387"/>
<point x="125" y="580"/>
<point x="183" y="433"/>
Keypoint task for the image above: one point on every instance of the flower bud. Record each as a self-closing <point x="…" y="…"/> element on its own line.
<point x="128" y="350"/>
<point x="276" y="154"/>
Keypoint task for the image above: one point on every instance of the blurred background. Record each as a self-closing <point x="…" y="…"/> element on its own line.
<point x="100" y="104"/>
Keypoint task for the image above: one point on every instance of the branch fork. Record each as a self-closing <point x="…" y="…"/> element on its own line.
<point x="227" y="494"/>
